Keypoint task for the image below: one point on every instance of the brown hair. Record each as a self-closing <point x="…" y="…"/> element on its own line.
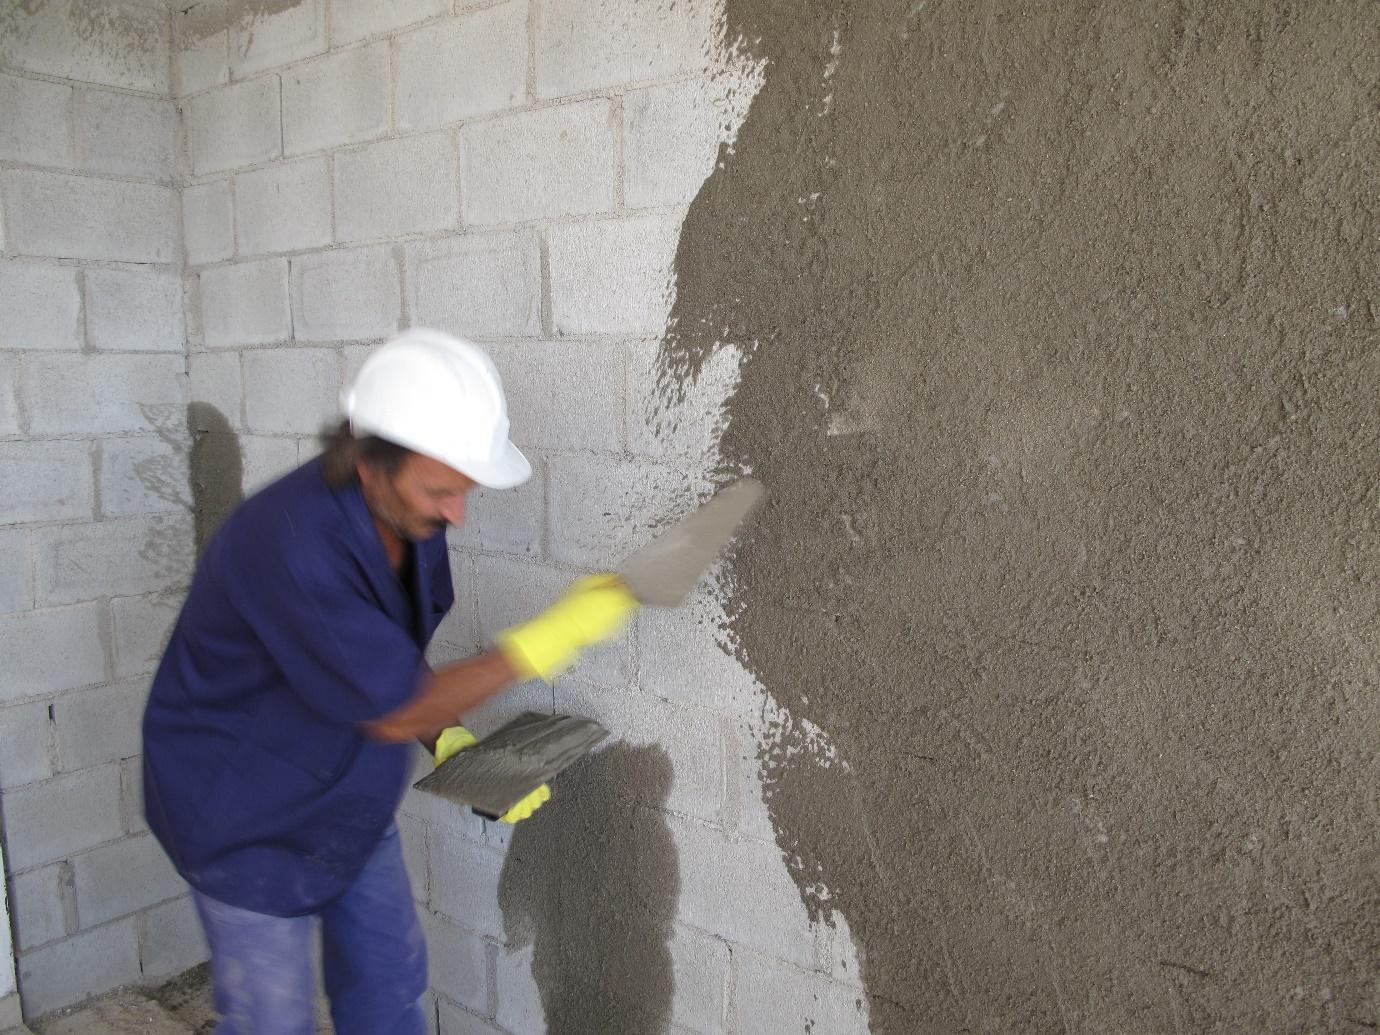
<point x="343" y="451"/>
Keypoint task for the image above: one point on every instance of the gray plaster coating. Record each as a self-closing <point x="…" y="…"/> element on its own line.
<point x="591" y="882"/>
<point x="215" y="470"/>
<point x="1061" y="336"/>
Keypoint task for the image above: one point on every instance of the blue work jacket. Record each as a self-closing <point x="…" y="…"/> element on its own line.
<point x="257" y="778"/>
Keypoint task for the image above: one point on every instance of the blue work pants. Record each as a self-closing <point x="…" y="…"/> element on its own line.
<point x="373" y="959"/>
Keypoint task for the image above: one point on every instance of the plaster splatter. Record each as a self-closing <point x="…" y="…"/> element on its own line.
<point x="1060" y="338"/>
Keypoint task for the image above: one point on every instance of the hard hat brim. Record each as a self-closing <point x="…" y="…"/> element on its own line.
<point x="508" y="469"/>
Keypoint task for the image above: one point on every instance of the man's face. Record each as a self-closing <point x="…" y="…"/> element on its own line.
<point x="418" y="500"/>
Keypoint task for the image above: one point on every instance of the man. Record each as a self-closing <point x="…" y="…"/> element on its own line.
<point x="275" y="738"/>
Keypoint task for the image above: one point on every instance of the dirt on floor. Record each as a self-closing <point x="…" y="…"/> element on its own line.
<point x="1061" y="327"/>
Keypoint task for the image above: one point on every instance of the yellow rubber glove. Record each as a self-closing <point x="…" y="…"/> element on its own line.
<point x="455" y="739"/>
<point x="590" y="611"/>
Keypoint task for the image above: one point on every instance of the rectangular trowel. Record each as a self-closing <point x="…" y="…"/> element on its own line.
<point x="509" y="764"/>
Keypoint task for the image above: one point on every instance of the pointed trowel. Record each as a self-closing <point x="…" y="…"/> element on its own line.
<point x="663" y="572"/>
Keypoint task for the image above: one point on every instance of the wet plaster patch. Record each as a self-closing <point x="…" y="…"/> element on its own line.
<point x="591" y="882"/>
<point x="1060" y="330"/>
<point x="216" y="470"/>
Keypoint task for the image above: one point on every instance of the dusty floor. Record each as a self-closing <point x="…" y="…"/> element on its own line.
<point x="181" y="1006"/>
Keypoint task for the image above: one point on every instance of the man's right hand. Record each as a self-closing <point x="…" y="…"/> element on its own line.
<point x="591" y="611"/>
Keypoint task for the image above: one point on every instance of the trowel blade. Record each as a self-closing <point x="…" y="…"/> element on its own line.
<point x="513" y="761"/>
<point x="663" y="572"/>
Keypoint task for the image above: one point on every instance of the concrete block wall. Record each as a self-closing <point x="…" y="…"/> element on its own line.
<point x="515" y="172"/>
<point x="95" y="538"/>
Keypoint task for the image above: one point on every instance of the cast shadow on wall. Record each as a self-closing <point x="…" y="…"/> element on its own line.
<point x="591" y="883"/>
<point x="215" y="471"/>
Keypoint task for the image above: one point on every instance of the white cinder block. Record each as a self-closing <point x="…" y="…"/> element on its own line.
<point x="78" y="968"/>
<point x="44" y="651"/>
<point x="290" y="391"/>
<point x="48" y="821"/>
<point x="117" y="43"/>
<point x="201" y="46"/>
<point x="660" y="425"/>
<point x="171" y="940"/>
<point x="564" y="395"/>
<point x="690" y="736"/>
<point x="509" y="520"/>
<point x="215" y="379"/>
<point x="396" y="187"/>
<point x="142" y="628"/>
<point x="78" y="217"/>
<point x="265" y="35"/>
<point x="700" y="964"/>
<point x="125" y="134"/>
<point x="132" y="795"/>
<point x="124" y="557"/>
<point x="671" y="138"/>
<point x="511" y="591"/>
<point x="40" y="307"/>
<point x="765" y="911"/>
<point x="100" y="726"/>
<point x="284" y="207"/>
<point x="103" y="394"/>
<point x="9" y="397"/>
<point x="16" y="570"/>
<point x="36" y="126"/>
<point x="122" y="878"/>
<point x="473" y="65"/>
<point x="353" y="20"/>
<point x="145" y="475"/>
<point x="753" y="819"/>
<point x="266" y="459"/>
<point x="519" y="1011"/>
<point x="455" y="1021"/>
<point x="335" y="100"/>
<point x="581" y="47"/>
<point x="25" y="752"/>
<point x="775" y="998"/>
<point x="235" y="125"/>
<point x="346" y="294"/>
<point x="135" y="311"/>
<point x="458" y="963"/>
<point x="45" y="481"/>
<point x="207" y="224"/>
<point x="464" y="883"/>
<point x="567" y="155"/>
<point x="480" y="285"/>
<point x="613" y="276"/>
<point x="245" y="304"/>
<point x="600" y="509"/>
<point x="683" y="657"/>
<point x="40" y="903"/>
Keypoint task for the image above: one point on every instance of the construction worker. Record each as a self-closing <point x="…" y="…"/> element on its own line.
<point x="276" y="734"/>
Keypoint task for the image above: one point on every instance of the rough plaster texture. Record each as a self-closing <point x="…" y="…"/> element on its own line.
<point x="1061" y="358"/>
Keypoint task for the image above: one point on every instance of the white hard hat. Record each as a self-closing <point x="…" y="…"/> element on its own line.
<point x="440" y="397"/>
